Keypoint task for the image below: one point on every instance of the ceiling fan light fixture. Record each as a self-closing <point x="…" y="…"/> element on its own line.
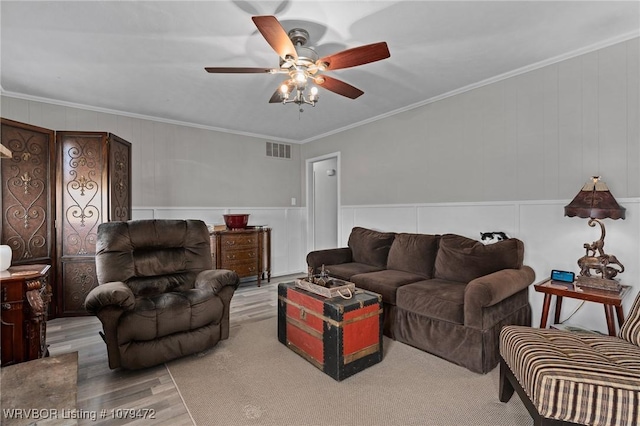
<point x="300" y="77"/>
<point x="313" y="95"/>
<point x="300" y="62"/>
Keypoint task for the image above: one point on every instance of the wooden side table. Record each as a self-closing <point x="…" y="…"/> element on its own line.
<point x="608" y="299"/>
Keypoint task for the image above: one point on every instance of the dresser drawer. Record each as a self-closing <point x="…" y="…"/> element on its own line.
<point x="242" y="268"/>
<point x="240" y="241"/>
<point x="11" y="293"/>
<point x="239" y="254"/>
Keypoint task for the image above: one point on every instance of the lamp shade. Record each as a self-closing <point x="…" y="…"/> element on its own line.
<point x="595" y="201"/>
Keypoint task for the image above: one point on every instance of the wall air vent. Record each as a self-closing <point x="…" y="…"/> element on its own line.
<point x="278" y="150"/>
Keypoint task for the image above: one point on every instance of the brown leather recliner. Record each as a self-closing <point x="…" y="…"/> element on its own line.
<point x="158" y="297"/>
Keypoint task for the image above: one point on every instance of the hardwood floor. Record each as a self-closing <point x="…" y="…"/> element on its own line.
<point x="100" y="388"/>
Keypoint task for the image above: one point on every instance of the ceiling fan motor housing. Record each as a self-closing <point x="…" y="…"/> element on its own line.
<point x="298" y="36"/>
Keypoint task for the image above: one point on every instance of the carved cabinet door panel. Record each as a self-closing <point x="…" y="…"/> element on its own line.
<point x="79" y="277"/>
<point x="28" y="192"/>
<point x="95" y="180"/>
<point x="119" y="179"/>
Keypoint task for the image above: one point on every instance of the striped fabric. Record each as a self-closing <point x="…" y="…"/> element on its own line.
<point x="630" y="330"/>
<point x="575" y="377"/>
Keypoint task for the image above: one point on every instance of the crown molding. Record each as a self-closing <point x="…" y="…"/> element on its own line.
<point x="139" y="116"/>
<point x="582" y="51"/>
<point x="578" y="52"/>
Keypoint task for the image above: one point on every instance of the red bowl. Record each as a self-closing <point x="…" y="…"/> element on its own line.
<point x="236" y="221"/>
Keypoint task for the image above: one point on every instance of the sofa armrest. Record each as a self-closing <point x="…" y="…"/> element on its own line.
<point x="491" y="289"/>
<point x="217" y="279"/>
<point x="115" y="294"/>
<point x="316" y="259"/>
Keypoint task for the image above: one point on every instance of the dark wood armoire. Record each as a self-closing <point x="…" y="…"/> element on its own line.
<point x="57" y="187"/>
<point x="94" y="186"/>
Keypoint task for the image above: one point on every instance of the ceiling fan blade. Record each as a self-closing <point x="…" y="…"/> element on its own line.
<point x="276" y="98"/>
<point x="356" y="56"/>
<point x="237" y="70"/>
<point x="338" y="86"/>
<point x="276" y="36"/>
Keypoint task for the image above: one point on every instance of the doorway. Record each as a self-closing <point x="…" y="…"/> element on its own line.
<point x="323" y="201"/>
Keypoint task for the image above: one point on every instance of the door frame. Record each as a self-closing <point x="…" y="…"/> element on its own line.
<point x="311" y="198"/>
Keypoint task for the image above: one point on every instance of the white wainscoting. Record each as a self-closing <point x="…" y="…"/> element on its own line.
<point x="552" y="241"/>
<point x="288" y="229"/>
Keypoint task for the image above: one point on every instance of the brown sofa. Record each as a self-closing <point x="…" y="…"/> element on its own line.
<point x="158" y="296"/>
<point x="445" y="294"/>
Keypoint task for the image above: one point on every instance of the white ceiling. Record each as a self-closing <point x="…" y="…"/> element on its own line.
<point x="147" y="58"/>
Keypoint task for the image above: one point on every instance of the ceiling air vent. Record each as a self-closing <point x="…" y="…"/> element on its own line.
<point x="278" y="150"/>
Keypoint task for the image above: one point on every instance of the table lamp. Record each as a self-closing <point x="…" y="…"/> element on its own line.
<point x="595" y="202"/>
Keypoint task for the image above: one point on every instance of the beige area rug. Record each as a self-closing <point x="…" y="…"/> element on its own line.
<point x="41" y="392"/>
<point x="253" y="379"/>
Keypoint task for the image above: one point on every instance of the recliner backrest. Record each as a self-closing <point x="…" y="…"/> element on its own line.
<point x="152" y="256"/>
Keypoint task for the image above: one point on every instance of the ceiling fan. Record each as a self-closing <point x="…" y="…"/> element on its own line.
<point x="302" y="64"/>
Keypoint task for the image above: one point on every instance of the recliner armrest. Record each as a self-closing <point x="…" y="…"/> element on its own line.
<point x="115" y="293"/>
<point x="217" y="279"/>
<point x="491" y="289"/>
<point x="316" y="259"/>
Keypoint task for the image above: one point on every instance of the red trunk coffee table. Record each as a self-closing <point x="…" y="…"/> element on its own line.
<point x="338" y="336"/>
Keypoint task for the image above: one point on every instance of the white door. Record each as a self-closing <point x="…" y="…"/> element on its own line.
<point x="323" y="202"/>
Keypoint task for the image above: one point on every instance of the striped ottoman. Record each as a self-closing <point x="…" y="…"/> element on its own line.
<point x="571" y="378"/>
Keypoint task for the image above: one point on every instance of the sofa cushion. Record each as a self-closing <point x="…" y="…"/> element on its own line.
<point x="385" y="282"/>
<point x="370" y="247"/>
<point x="630" y="330"/>
<point x="464" y="259"/>
<point x="345" y="271"/>
<point x="436" y="298"/>
<point x="414" y="253"/>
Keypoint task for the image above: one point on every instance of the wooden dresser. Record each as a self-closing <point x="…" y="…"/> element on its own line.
<point x="24" y="297"/>
<point x="245" y="251"/>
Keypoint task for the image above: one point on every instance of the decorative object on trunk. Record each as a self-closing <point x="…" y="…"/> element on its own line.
<point x="595" y="202"/>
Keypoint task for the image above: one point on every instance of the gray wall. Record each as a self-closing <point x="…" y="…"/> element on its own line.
<point x="536" y="136"/>
<point x="174" y="165"/>
<point x="507" y="157"/>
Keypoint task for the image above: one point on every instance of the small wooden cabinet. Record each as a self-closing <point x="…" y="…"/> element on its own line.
<point x="25" y="294"/>
<point x="245" y="251"/>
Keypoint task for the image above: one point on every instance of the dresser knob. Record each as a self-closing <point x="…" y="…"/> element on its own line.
<point x="6" y="306"/>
